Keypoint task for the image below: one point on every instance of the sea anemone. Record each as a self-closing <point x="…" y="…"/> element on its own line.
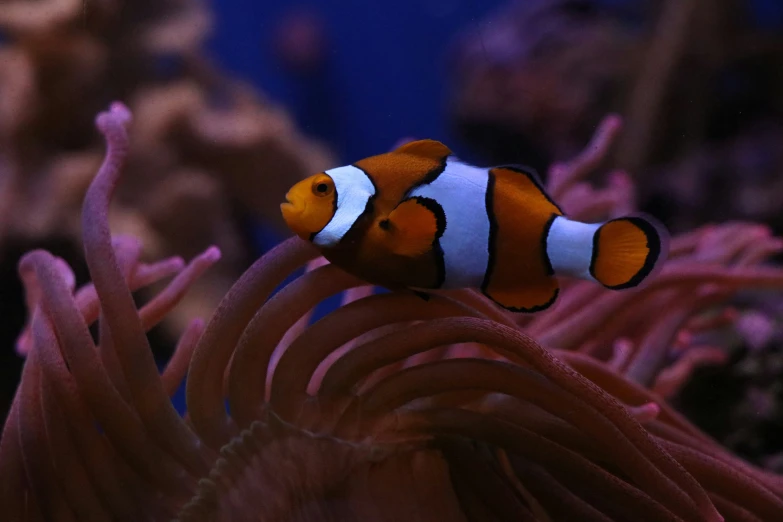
<point x="389" y="407"/>
<point x="209" y="154"/>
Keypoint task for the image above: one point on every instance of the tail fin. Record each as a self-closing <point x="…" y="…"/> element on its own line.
<point x="627" y="250"/>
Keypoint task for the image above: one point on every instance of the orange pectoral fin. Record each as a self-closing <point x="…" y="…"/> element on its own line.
<point x="527" y="298"/>
<point x="414" y="225"/>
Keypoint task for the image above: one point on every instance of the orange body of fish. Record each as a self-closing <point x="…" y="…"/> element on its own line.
<point x="419" y="218"/>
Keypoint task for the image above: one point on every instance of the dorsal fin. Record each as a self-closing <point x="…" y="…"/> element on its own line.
<point x="527" y="171"/>
<point x="533" y="176"/>
<point x="425" y="148"/>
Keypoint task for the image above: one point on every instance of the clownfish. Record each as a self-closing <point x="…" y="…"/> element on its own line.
<point x="418" y="218"/>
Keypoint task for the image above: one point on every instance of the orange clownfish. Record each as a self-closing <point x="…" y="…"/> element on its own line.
<point x="418" y="218"/>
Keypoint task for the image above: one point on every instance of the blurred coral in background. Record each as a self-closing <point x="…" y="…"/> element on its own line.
<point x="204" y="145"/>
<point x="532" y="80"/>
<point x="209" y="154"/>
<point x="699" y="86"/>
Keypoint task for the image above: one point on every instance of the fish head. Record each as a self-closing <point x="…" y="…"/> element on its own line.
<point x="310" y="205"/>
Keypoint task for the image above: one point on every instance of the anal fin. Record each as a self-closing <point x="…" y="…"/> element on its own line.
<point x="525" y="298"/>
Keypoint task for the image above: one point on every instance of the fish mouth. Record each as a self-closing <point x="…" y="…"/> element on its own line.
<point x="288" y="205"/>
<point x="292" y="215"/>
<point x="291" y="210"/>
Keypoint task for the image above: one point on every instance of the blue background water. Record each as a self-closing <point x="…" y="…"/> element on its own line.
<point x="387" y="74"/>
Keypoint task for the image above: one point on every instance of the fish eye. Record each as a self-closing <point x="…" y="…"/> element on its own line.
<point x="322" y="188"/>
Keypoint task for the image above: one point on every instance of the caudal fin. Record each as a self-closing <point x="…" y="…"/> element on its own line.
<point x="627" y="250"/>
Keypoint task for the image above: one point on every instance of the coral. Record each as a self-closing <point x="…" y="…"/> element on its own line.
<point x="388" y="408"/>
<point x="543" y="71"/>
<point x="737" y="179"/>
<point x="206" y="147"/>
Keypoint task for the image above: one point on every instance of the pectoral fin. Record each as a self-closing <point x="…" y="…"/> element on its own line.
<point x="414" y="226"/>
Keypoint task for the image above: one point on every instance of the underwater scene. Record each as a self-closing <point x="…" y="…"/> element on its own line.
<point x="422" y="260"/>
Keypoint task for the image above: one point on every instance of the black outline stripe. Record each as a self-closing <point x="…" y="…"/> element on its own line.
<point x="550" y="270"/>
<point x="433" y="174"/>
<point x="653" y="244"/>
<point x="489" y="201"/>
<point x="440" y="220"/>
<point x="369" y="207"/>
<point x="429" y="177"/>
<point x="533" y="176"/>
<point x="492" y="249"/>
<point x="334" y="201"/>
<point x="372" y="180"/>
<point x="531" y="310"/>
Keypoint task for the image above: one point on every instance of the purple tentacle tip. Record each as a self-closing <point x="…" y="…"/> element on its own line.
<point x="118" y="114"/>
<point x="213" y="254"/>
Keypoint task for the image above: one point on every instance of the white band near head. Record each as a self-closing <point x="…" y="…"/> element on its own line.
<point x="352" y="189"/>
